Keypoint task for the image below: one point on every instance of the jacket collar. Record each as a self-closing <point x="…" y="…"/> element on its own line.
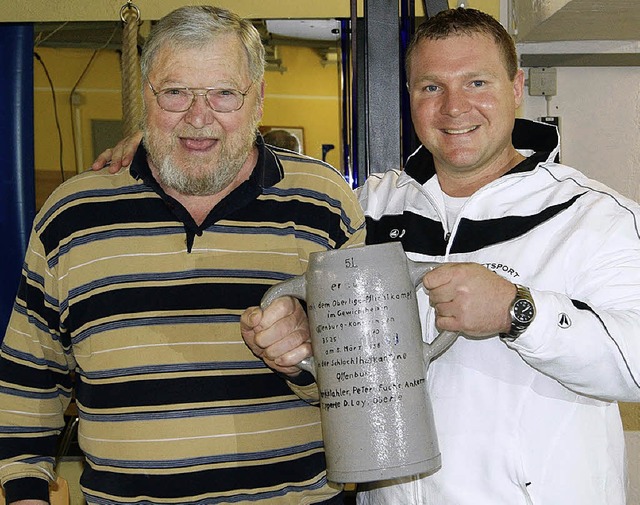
<point x="540" y="138"/>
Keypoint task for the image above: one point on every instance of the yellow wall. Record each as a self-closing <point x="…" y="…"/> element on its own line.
<point x="307" y="96"/>
<point x="99" y="93"/>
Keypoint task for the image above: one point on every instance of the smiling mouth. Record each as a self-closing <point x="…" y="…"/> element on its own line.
<point x="198" y="143"/>
<point x="459" y="132"/>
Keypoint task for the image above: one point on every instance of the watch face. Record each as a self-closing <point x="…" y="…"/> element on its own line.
<point x="523" y="311"/>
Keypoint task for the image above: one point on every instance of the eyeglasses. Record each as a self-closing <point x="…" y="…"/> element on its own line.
<point x="181" y="99"/>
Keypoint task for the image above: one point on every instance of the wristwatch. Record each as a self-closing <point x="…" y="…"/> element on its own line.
<point x="522" y="311"/>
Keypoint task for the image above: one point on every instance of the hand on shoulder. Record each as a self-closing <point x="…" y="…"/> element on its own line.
<point x="119" y="156"/>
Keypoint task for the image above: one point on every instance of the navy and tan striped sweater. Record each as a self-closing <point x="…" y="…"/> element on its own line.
<point x="121" y="286"/>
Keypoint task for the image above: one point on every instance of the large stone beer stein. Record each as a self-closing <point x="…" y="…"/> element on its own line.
<point x="369" y="361"/>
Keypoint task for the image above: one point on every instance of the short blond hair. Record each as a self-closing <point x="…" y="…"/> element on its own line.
<point x="462" y="21"/>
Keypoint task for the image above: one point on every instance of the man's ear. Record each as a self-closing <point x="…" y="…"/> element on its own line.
<point x="518" y="87"/>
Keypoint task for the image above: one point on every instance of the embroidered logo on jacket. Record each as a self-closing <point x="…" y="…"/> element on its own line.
<point x="563" y="320"/>
<point x="395" y="233"/>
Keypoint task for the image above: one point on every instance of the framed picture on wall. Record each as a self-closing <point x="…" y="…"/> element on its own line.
<point x="281" y="136"/>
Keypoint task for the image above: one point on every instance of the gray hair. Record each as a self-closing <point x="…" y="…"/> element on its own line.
<point x="195" y="26"/>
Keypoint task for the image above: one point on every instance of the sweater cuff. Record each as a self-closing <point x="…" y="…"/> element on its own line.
<point x="27" y="488"/>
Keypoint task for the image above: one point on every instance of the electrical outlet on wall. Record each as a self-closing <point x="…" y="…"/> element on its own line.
<point x="543" y="81"/>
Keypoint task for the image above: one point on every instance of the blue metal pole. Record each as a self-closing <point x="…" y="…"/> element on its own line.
<point x="17" y="192"/>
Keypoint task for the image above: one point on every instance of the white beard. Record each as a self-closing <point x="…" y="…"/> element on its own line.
<point x="200" y="176"/>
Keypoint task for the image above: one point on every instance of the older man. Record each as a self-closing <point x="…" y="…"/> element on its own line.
<point x="136" y="281"/>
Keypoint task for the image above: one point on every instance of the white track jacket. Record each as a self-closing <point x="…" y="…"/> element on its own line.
<point x="534" y="421"/>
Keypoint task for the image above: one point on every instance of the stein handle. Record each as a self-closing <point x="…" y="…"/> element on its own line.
<point x="445" y="338"/>
<point x="296" y="287"/>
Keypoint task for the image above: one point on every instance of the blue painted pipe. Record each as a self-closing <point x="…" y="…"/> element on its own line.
<point x="17" y="192"/>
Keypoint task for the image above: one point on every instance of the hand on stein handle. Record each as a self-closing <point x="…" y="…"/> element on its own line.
<point x="469" y="298"/>
<point x="278" y="335"/>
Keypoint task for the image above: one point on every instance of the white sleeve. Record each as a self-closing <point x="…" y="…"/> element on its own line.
<point x="589" y="340"/>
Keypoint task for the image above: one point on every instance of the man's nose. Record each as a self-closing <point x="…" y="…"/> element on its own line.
<point x="200" y="113"/>
<point x="454" y="102"/>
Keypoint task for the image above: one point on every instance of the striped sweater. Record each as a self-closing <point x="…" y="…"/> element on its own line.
<point x="123" y="288"/>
